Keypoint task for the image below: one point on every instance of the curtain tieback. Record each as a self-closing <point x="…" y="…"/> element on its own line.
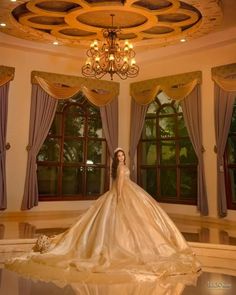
<point x="28" y="147"/>
<point x="7" y="147"/>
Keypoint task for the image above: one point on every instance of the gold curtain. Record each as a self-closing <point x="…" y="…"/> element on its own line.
<point x="4" y="80"/>
<point x="176" y="93"/>
<point x="97" y="97"/>
<point x="224" y="71"/>
<point x="6" y="74"/>
<point x="226" y="84"/>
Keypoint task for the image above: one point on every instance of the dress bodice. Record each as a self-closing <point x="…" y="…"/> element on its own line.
<point x="126" y="172"/>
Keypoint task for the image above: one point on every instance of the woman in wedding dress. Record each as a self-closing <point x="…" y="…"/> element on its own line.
<point x="124" y="232"/>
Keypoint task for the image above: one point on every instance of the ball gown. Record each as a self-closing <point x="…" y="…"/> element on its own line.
<point x="126" y="235"/>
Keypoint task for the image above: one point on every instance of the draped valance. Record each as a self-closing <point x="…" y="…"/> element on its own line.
<point x="225" y="77"/>
<point x="99" y="93"/>
<point x="226" y="84"/>
<point x="6" y="74"/>
<point x="177" y="87"/>
<point x="224" y="71"/>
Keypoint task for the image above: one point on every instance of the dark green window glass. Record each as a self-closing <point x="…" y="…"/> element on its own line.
<point x="47" y="180"/>
<point x="167" y="162"/>
<point x="73" y="162"/>
<point x="230" y="163"/>
<point x="148" y="180"/>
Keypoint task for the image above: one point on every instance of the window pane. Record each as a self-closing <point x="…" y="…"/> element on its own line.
<point x="167" y="127"/>
<point x="50" y="151"/>
<point x="232" y="149"/>
<point x="95" y="128"/>
<point x="95" y="180"/>
<point x="56" y="126"/>
<point x="93" y="111"/>
<point x="233" y="121"/>
<point x="167" y="110"/>
<point x="149" y="129"/>
<point x="152" y="109"/>
<point x="182" y="130"/>
<point x="149" y="181"/>
<point x="74" y="126"/>
<point x="96" y="152"/>
<point x="177" y="106"/>
<point x="149" y="154"/>
<point x="163" y="98"/>
<point x="47" y="180"/>
<point x="168" y="152"/>
<point x="187" y="153"/>
<point x="232" y="174"/>
<point x="72" y="180"/>
<point x="168" y="183"/>
<point x="188" y="183"/>
<point x="73" y="151"/>
<point x="74" y="109"/>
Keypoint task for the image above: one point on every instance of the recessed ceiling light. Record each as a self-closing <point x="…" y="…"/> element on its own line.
<point x="3" y="25"/>
<point x="183" y="40"/>
<point x="55" y="43"/>
<point x="13" y="0"/>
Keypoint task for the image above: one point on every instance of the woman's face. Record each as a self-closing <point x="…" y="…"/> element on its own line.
<point x="121" y="156"/>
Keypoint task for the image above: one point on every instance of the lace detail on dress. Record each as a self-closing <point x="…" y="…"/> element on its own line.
<point x="42" y="244"/>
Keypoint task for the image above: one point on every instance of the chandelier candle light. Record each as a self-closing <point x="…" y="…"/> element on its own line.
<point x="110" y="58"/>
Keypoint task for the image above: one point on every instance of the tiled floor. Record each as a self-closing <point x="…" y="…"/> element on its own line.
<point x="207" y="284"/>
<point x="214" y="244"/>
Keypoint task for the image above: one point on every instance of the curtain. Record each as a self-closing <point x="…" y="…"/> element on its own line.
<point x="138" y="113"/>
<point x="224" y="101"/>
<point x="43" y="108"/>
<point x="109" y="116"/>
<point x="4" y="89"/>
<point x="192" y="111"/>
<point x="45" y="96"/>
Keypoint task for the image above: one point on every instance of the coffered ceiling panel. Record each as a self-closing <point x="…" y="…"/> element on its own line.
<point x="77" y="22"/>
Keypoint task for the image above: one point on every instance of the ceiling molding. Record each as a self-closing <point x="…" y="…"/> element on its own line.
<point x="77" y="22"/>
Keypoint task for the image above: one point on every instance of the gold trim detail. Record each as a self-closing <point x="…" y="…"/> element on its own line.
<point x="224" y="71"/>
<point x="6" y="74"/>
<point x="74" y="81"/>
<point x="167" y="81"/>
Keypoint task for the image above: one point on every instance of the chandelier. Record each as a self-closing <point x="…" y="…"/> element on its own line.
<point x="111" y="58"/>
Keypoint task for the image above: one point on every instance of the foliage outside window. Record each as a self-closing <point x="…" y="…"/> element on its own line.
<point x="167" y="163"/>
<point x="230" y="163"/>
<point x="73" y="162"/>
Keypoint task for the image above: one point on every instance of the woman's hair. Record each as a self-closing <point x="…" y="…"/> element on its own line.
<point x="115" y="163"/>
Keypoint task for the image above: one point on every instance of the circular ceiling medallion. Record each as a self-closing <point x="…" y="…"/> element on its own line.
<point x="75" y="22"/>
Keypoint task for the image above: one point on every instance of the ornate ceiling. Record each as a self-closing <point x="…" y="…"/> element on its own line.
<point x="75" y="22"/>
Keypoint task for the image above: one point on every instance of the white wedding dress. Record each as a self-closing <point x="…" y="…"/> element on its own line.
<point x="132" y="235"/>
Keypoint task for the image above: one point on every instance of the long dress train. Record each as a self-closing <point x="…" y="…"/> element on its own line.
<point x="132" y="235"/>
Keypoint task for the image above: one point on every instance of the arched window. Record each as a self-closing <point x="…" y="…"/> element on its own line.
<point x="73" y="163"/>
<point x="230" y="163"/>
<point x="167" y="163"/>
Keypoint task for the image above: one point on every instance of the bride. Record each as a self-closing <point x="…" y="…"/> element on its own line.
<point x="124" y="231"/>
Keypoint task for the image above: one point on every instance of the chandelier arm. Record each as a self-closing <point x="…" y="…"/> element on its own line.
<point x="111" y="58"/>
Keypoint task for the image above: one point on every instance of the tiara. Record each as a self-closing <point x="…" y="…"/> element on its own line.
<point x="118" y="149"/>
